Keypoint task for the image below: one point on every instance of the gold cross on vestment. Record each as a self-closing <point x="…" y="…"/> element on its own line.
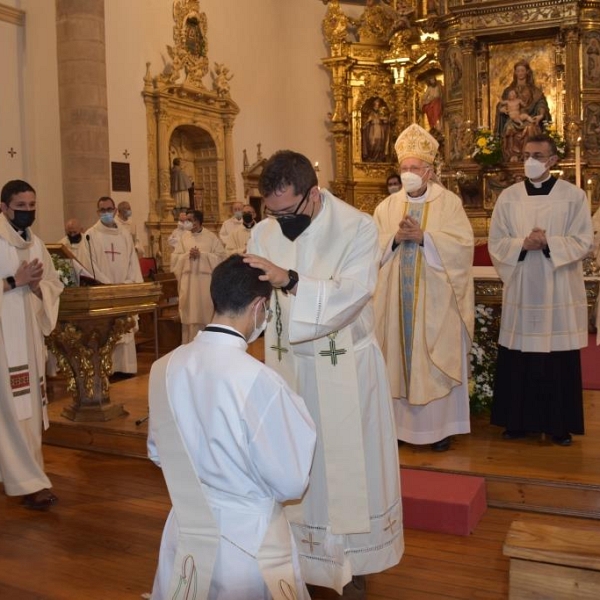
<point x="311" y="542"/>
<point x="333" y="352"/>
<point x="390" y="525"/>
<point x="278" y="348"/>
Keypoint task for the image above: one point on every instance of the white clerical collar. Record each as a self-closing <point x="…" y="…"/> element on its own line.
<point x="539" y="184"/>
<point x="418" y="199"/>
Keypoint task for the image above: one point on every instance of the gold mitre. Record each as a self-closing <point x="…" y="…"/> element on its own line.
<point x="415" y="142"/>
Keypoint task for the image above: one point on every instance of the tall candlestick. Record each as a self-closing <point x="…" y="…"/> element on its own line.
<point x="578" y="163"/>
<point x="588" y="193"/>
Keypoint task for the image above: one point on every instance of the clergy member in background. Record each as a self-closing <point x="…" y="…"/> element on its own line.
<point x="393" y="184"/>
<point x="183" y="225"/>
<point x="424" y="302"/>
<point x="75" y="242"/>
<point x="234" y="222"/>
<point x="199" y="251"/>
<point x="322" y="256"/>
<point x="540" y="231"/>
<point x="246" y="436"/>
<point x="124" y="219"/>
<point x="114" y="260"/>
<point x="28" y="311"/>
<point x="237" y="242"/>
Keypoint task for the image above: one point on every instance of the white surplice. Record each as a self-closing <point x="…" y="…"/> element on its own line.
<point x="194" y="276"/>
<point x="544" y="305"/>
<point x="433" y="403"/>
<point x="237" y="241"/>
<point x="24" y="321"/>
<point x="114" y="260"/>
<point x="228" y="227"/>
<point x="350" y="520"/>
<point x="251" y="442"/>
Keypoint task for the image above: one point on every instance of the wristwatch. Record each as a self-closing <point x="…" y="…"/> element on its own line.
<point x="11" y="281"/>
<point x="292" y="282"/>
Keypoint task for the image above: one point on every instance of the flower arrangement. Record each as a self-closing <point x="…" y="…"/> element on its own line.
<point x="487" y="148"/>
<point x="559" y="140"/>
<point x="65" y="270"/>
<point x="483" y="360"/>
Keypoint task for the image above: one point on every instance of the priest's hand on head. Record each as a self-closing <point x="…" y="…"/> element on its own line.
<point x="276" y="275"/>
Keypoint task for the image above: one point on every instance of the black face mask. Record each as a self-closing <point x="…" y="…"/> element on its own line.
<point x="23" y="218"/>
<point x="293" y="225"/>
<point x="74" y="239"/>
<point x="247" y="218"/>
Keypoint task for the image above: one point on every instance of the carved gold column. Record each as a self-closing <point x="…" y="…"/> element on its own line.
<point x="83" y="104"/>
<point x="165" y="202"/>
<point x="229" y="164"/>
<point x="467" y="47"/>
<point x="573" y="129"/>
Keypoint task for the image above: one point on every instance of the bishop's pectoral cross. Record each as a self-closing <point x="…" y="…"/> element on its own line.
<point x="333" y="352"/>
<point x="112" y="252"/>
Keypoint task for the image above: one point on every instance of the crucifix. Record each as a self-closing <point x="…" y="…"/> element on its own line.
<point x="311" y="542"/>
<point x="112" y="252"/>
<point x="126" y="154"/>
<point x="333" y="352"/>
<point x="12" y="152"/>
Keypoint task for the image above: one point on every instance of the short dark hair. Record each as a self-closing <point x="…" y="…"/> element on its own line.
<point x="393" y="176"/>
<point x="104" y="199"/>
<point x="235" y="284"/>
<point x="12" y="188"/>
<point x="542" y="137"/>
<point x="198" y="215"/>
<point x="287" y="168"/>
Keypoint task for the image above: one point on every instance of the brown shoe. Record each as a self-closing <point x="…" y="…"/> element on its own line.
<point x="356" y="589"/>
<point x="41" y="500"/>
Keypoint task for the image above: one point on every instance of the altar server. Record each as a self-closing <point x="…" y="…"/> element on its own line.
<point x="540" y="231"/>
<point x="323" y="257"/>
<point x="197" y="253"/>
<point x="29" y="301"/>
<point x="234" y="442"/>
<point x="424" y="303"/>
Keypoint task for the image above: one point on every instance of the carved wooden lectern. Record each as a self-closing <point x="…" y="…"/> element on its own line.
<point x="90" y="322"/>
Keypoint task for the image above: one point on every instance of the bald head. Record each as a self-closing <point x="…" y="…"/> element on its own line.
<point x="124" y="210"/>
<point x="73" y="227"/>
<point x="237" y="207"/>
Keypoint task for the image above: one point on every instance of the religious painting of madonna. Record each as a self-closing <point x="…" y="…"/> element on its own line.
<point x="522" y="94"/>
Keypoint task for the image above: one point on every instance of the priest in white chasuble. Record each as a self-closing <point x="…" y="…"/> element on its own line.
<point x="540" y="231"/>
<point x="197" y="253"/>
<point x="323" y="256"/>
<point x="424" y="303"/>
<point x="234" y="442"/>
<point x="113" y="259"/>
<point x="29" y="299"/>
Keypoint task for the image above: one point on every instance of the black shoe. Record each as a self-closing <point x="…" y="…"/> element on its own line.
<point x="442" y="445"/>
<point x="562" y="440"/>
<point x="513" y="434"/>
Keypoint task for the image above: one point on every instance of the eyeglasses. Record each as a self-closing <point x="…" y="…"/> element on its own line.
<point x="286" y="213"/>
<point x="104" y="211"/>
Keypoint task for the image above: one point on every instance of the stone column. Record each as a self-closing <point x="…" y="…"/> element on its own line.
<point x="83" y="106"/>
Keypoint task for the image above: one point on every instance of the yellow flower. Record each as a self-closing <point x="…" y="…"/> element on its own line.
<point x="486" y="151"/>
<point x="481" y="142"/>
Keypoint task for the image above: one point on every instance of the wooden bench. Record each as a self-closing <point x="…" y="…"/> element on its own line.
<point x="547" y="561"/>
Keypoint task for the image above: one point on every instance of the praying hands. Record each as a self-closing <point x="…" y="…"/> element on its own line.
<point x="409" y="229"/>
<point x="536" y="240"/>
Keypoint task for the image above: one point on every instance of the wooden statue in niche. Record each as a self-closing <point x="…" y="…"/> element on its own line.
<point x="375" y="131"/>
<point x="529" y="102"/>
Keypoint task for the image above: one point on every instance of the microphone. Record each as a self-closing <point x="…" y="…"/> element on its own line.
<point x="87" y="239"/>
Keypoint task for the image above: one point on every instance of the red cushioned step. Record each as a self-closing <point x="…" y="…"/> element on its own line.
<point x="442" y="502"/>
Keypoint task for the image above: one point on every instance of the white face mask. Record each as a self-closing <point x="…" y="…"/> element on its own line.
<point x="411" y="182"/>
<point x="238" y="215"/>
<point x="258" y="329"/>
<point x="393" y="188"/>
<point x="187" y="225"/>
<point x="534" y="169"/>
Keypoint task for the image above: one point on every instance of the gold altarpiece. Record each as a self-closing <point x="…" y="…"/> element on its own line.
<point x="384" y="53"/>
<point x="186" y="120"/>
